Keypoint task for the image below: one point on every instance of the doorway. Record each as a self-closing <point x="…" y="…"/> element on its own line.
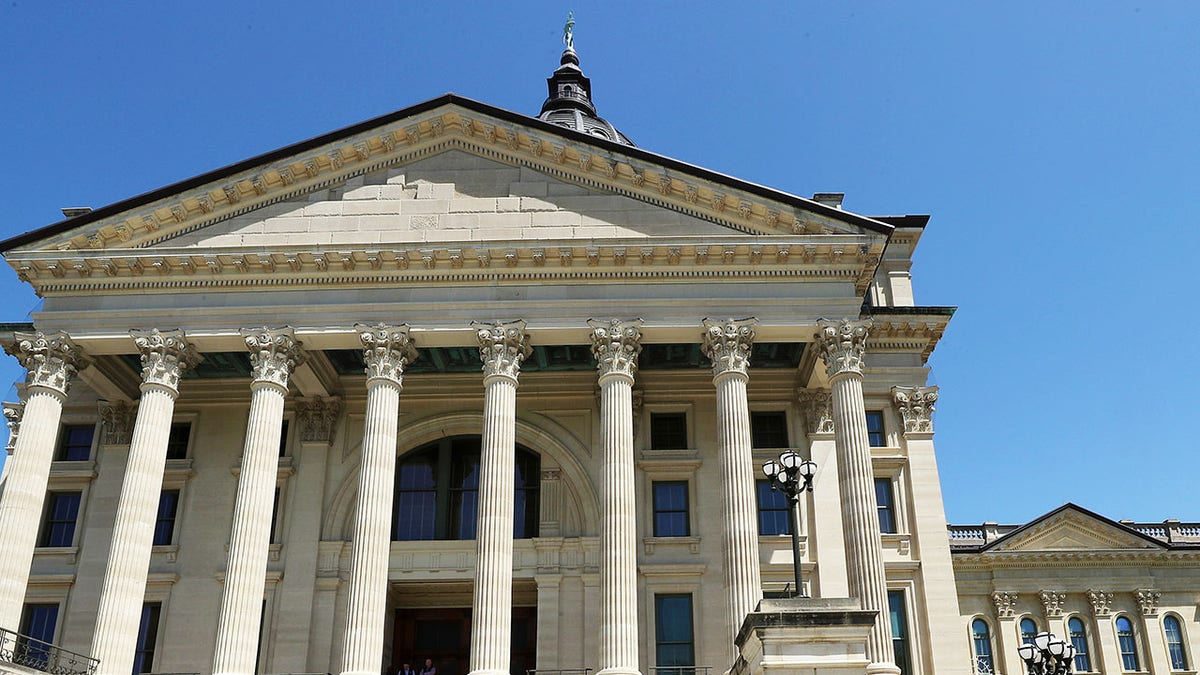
<point x="444" y="635"/>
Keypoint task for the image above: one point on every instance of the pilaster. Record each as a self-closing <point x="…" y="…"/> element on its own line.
<point x="829" y="543"/>
<point x="1106" y="637"/>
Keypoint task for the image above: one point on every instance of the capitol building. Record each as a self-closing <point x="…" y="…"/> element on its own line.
<point x="494" y="390"/>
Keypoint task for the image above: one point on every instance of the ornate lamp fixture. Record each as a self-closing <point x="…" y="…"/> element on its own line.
<point x="794" y="475"/>
<point x="1047" y="655"/>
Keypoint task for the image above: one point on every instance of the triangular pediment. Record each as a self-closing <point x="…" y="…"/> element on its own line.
<point x="1071" y="528"/>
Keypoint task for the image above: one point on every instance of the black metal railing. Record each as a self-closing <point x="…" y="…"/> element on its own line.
<point x="22" y="650"/>
<point x="682" y="670"/>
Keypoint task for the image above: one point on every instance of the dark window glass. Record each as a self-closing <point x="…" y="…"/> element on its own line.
<point x="38" y="623"/>
<point x="1078" y="633"/>
<point x="275" y="516"/>
<point x="769" y="429"/>
<point x="283" y="439"/>
<point x="177" y="442"/>
<point x="75" y="443"/>
<point x="1127" y="643"/>
<point x="668" y="431"/>
<point x="774" y="511"/>
<point x="900" y="639"/>
<point x="437" y="492"/>
<point x="164" y="524"/>
<point x="62" y="510"/>
<point x="982" y="642"/>
<point x="876" y="437"/>
<point x="143" y="658"/>
<point x="674" y="641"/>
<point x="671" y="509"/>
<point x="1028" y="631"/>
<point x="1175" y="649"/>
<point x="885" y="501"/>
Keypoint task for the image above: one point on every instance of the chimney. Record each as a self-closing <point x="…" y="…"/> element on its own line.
<point x="833" y="199"/>
<point x="75" y="211"/>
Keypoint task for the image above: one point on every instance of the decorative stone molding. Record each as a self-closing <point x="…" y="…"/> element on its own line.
<point x="50" y="360"/>
<point x="616" y="345"/>
<point x="274" y="354"/>
<point x="728" y="344"/>
<point x="817" y="405"/>
<point x="915" y="405"/>
<point x="843" y="343"/>
<point x="502" y="347"/>
<point x="116" y="419"/>
<point x="1006" y="604"/>
<point x="387" y="350"/>
<point x="318" y="418"/>
<point x="1052" y="602"/>
<point x="12" y="417"/>
<point x="165" y="356"/>
<point x="1147" y="600"/>
<point x="638" y="401"/>
<point x="1101" y="602"/>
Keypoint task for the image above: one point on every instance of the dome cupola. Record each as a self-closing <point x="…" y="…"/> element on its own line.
<point x="569" y="103"/>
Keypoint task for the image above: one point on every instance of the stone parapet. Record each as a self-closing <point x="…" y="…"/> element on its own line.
<point x="804" y="636"/>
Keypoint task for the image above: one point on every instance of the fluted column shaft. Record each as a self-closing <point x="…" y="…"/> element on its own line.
<point x="164" y="357"/>
<point x="843" y="344"/>
<point x="616" y="345"/>
<point x="728" y="345"/>
<point x="502" y="348"/>
<point x="387" y="351"/>
<point x="51" y="361"/>
<point x="273" y="354"/>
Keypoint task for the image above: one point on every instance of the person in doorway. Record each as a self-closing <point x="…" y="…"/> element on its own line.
<point x="407" y="669"/>
<point x="428" y="668"/>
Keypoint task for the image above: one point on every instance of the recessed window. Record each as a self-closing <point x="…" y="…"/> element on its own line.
<point x="283" y="439"/>
<point x="38" y="622"/>
<point x="774" y="511"/>
<point x="981" y="643"/>
<point x="768" y="429"/>
<point x="674" y="639"/>
<point x="1174" y="633"/>
<point x="275" y="516"/>
<point x="885" y="503"/>
<point x="671" y="509"/>
<point x="164" y="523"/>
<point x="876" y="437"/>
<point x="75" y="443"/>
<point x="1028" y="630"/>
<point x="668" y="431"/>
<point x="900" y="637"/>
<point x="1078" y="634"/>
<point x="147" y="638"/>
<point x="62" y="511"/>
<point x="177" y="441"/>
<point x="1127" y="644"/>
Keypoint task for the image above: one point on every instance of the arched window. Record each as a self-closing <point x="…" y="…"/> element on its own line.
<point x="1174" y="633"/>
<point x="437" y="491"/>
<point x="1127" y="643"/>
<point x="1078" y="635"/>
<point x="981" y="642"/>
<point x="1028" y="630"/>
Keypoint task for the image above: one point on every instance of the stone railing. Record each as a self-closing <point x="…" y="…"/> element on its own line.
<point x="22" y="650"/>
<point x="1168" y="531"/>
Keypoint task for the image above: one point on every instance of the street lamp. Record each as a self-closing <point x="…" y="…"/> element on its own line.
<point x="794" y="475"/>
<point x="1047" y="655"/>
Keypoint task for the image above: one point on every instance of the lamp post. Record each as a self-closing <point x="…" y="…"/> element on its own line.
<point x="1047" y="655"/>
<point x="794" y="475"/>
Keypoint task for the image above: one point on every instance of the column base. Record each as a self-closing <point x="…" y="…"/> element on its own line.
<point x="619" y="670"/>
<point x="883" y="668"/>
<point x="473" y="672"/>
<point x="360" y="672"/>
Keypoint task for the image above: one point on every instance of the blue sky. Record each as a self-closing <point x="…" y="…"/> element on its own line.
<point x="1055" y="145"/>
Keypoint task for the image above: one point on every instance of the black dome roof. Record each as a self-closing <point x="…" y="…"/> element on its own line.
<point x="570" y="104"/>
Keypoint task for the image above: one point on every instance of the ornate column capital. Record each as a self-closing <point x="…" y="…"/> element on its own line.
<point x="817" y="406"/>
<point x="616" y="345"/>
<point x="318" y="418"/>
<point x="915" y="405"/>
<point x="51" y="360"/>
<point x="1147" y="599"/>
<point x="117" y="418"/>
<point x="502" y="347"/>
<point x="1006" y="604"/>
<point x="728" y="343"/>
<point x="12" y="417"/>
<point x="1101" y="602"/>
<point x="274" y="354"/>
<point x="165" y="355"/>
<point x="1052" y="602"/>
<point x="387" y="351"/>
<point x="843" y="343"/>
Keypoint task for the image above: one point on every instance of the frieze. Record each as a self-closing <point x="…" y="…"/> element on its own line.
<point x="116" y="422"/>
<point x="843" y="344"/>
<point x="165" y="355"/>
<point x="616" y="345"/>
<point x="387" y="351"/>
<point x="728" y="344"/>
<point x="502" y="347"/>
<point x="50" y="360"/>
<point x="915" y="405"/>
<point x="274" y="354"/>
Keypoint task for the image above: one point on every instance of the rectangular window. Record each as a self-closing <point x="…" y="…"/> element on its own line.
<point x="876" y="438"/>
<point x="177" y="442"/>
<point x="38" y="622"/>
<point x="75" y="443"/>
<point x="147" y="638"/>
<point x="164" y="524"/>
<point x="668" y="431"/>
<point x="769" y="429"/>
<point x="671" y="509"/>
<point x="774" y="511"/>
<point x="674" y="652"/>
<point x="283" y="439"/>
<point x="885" y="502"/>
<point x="58" y="527"/>
<point x="900" y="639"/>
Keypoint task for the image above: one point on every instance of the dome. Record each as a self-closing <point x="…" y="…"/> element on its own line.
<point x="569" y="103"/>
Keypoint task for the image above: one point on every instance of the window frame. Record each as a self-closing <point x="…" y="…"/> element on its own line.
<point x="779" y="413"/>
<point x="1024" y="636"/>
<point x="174" y="518"/>
<point x="1182" y="662"/>
<point x="144" y="635"/>
<point x="675" y="668"/>
<point x="62" y="444"/>
<point x="685" y="489"/>
<point x="759" y="485"/>
<point x="890" y="508"/>
<point x="187" y="440"/>
<point x="1081" y="639"/>
<point x="881" y="433"/>
<point x="905" y="638"/>
<point x="664" y="414"/>
<point x="1135" y="652"/>
<point x="975" y="642"/>
<point x="47" y="523"/>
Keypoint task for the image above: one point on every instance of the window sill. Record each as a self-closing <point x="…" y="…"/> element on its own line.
<point x="63" y="555"/>
<point x="650" y="543"/>
<point x="167" y="553"/>
<point x="900" y="542"/>
<point x="76" y="473"/>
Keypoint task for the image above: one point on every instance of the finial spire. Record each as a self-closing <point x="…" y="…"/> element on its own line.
<point x="569" y="31"/>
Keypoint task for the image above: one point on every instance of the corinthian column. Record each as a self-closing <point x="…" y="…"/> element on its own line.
<point x="502" y="347"/>
<point x="50" y="361"/>
<point x="727" y="344"/>
<point x="274" y="354"/>
<point x="165" y="355"/>
<point x="843" y="344"/>
<point x="387" y="351"/>
<point x="616" y="345"/>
